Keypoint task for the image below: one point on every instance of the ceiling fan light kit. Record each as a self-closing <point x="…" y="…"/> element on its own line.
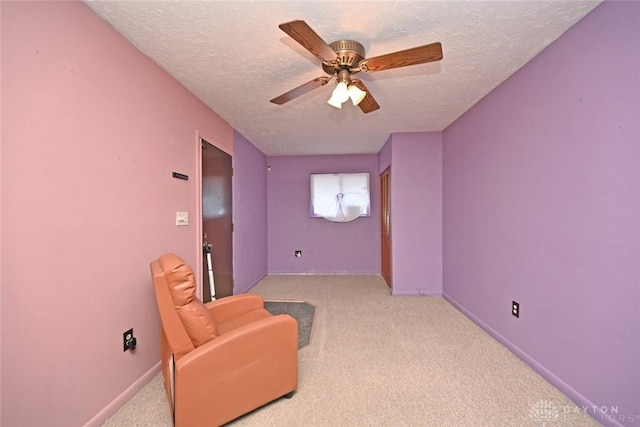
<point x="339" y="95"/>
<point x="356" y="94"/>
<point x="344" y="90"/>
<point x="344" y="58"/>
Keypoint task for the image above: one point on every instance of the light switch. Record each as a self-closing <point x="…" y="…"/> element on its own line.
<point x="182" y="218"/>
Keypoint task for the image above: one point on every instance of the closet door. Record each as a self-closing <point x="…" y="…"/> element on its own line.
<point x="385" y="225"/>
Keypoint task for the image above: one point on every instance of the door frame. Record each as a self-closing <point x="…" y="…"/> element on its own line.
<point x="198" y="195"/>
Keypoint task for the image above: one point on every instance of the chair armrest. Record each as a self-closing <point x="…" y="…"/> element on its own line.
<point x="241" y="345"/>
<point x="238" y="371"/>
<point x="233" y="306"/>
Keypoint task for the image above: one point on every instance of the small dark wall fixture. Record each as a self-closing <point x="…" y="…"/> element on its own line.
<point x="180" y="176"/>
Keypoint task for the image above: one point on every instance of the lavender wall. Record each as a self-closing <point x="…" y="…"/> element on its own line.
<point x="384" y="157"/>
<point x="91" y="131"/>
<point x="416" y="213"/>
<point x="327" y="247"/>
<point x="250" y="263"/>
<point x="542" y="206"/>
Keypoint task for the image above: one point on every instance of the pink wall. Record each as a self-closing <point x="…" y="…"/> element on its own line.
<point x="416" y="212"/>
<point x="327" y="247"/>
<point x="542" y="206"/>
<point x="91" y="131"/>
<point x="250" y="262"/>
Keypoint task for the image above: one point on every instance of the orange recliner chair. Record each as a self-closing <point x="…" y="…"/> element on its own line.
<point x="222" y="359"/>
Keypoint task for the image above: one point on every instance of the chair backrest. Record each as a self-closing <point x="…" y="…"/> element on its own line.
<point x="176" y="335"/>
<point x="194" y="316"/>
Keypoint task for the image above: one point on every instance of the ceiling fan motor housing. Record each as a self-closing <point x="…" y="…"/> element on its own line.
<point x="349" y="52"/>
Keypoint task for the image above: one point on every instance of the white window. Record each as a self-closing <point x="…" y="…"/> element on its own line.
<point x="340" y="197"/>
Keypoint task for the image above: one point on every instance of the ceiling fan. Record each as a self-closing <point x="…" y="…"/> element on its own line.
<point x="344" y="58"/>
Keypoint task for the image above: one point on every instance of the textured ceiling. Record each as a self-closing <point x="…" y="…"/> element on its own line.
<point x="233" y="56"/>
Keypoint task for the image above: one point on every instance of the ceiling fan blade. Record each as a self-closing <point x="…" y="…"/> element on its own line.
<point x="301" y="90"/>
<point x="304" y="34"/>
<point x="417" y="55"/>
<point x="368" y="104"/>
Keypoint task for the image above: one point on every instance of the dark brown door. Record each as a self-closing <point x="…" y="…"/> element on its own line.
<point x="385" y="225"/>
<point x="217" y="226"/>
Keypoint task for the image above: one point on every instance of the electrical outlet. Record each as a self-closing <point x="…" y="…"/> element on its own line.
<point x="515" y="309"/>
<point x="128" y="340"/>
<point x="298" y="254"/>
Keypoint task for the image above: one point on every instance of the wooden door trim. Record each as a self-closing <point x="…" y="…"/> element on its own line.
<point x="198" y="236"/>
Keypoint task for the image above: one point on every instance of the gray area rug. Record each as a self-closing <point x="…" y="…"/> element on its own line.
<point x="301" y="311"/>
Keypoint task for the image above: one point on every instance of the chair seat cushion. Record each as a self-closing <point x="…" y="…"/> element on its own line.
<point x="236" y="322"/>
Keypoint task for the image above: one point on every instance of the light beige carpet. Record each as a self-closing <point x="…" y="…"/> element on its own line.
<point x="378" y="360"/>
